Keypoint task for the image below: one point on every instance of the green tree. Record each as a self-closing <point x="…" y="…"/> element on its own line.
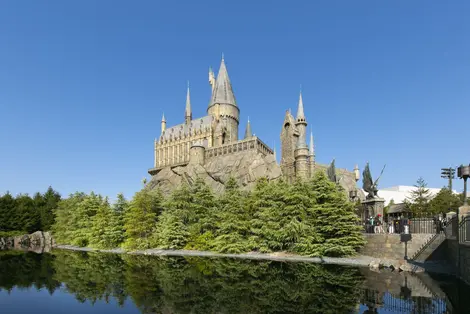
<point x="387" y="208"/>
<point x="418" y="201"/>
<point x="336" y="221"/>
<point x="232" y="221"/>
<point x="141" y="217"/>
<point x="107" y="228"/>
<point x="62" y="228"/>
<point x="27" y="217"/>
<point x="50" y="201"/>
<point x="81" y="219"/>
<point x="7" y="212"/>
<point x="444" y="201"/>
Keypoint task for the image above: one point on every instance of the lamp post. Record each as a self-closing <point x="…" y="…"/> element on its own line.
<point x="464" y="172"/>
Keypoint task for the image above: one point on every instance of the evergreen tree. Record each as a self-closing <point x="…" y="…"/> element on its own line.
<point x="444" y="201"/>
<point x="50" y="201"/>
<point x="27" y="217"/>
<point x="82" y="217"/>
<point x="141" y="217"/>
<point x="107" y="228"/>
<point x="418" y="201"/>
<point x="336" y="222"/>
<point x="171" y="230"/>
<point x="267" y="204"/>
<point x="62" y="228"/>
<point x="7" y="212"/>
<point x="232" y="221"/>
<point x="390" y="204"/>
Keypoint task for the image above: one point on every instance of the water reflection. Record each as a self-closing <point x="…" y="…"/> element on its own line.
<point x="204" y="285"/>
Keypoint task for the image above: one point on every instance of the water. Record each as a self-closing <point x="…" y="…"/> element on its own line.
<point x="79" y="282"/>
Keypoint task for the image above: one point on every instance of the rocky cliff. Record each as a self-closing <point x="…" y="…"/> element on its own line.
<point x="246" y="167"/>
<point x="38" y="242"/>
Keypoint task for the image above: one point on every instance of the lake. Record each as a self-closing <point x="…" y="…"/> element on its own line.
<point x="80" y="282"/>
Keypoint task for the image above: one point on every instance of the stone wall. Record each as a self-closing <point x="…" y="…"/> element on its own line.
<point x="459" y="252"/>
<point x="389" y="246"/>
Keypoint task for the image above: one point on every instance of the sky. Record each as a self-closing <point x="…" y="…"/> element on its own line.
<point x="83" y="84"/>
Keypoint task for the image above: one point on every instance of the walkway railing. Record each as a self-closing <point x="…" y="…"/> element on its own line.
<point x="464" y="230"/>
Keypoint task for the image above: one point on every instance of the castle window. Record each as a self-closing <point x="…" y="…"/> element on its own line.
<point x="286" y="126"/>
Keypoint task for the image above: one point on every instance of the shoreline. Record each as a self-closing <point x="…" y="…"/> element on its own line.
<point x="357" y="261"/>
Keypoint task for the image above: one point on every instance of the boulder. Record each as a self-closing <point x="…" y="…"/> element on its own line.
<point x="406" y="267"/>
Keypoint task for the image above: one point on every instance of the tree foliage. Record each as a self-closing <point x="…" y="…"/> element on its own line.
<point x="311" y="217"/>
<point x="28" y="214"/>
<point x="418" y="201"/>
<point x="444" y="201"/>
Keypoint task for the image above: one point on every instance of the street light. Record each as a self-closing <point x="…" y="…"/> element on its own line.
<point x="448" y="173"/>
<point x="463" y="173"/>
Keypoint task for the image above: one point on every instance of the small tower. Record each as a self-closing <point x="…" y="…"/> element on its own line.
<point x="223" y="107"/>
<point x="302" y="169"/>
<point x="155" y="159"/>
<point x="248" y="133"/>
<point x="188" y="116"/>
<point x="311" y="155"/>
<point x="289" y="139"/>
<point x="163" y="123"/>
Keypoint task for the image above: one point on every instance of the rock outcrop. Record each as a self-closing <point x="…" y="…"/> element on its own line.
<point x="38" y="242"/>
<point x="245" y="167"/>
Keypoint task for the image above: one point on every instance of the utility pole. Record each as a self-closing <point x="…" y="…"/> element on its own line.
<point x="448" y="173"/>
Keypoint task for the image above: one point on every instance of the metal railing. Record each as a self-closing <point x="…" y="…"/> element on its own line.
<point x="464" y="230"/>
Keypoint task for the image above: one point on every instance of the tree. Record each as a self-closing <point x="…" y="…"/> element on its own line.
<point x="27" y="217"/>
<point x="141" y="217"/>
<point x="7" y="212"/>
<point x="62" y="228"/>
<point x="81" y="219"/>
<point x="336" y="222"/>
<point x="390" y="204"/>
<point x="232" y="221"/>
<point x="444" y="201"/>
<point x="418" y="201"/>
<point x="107" y="228"/>
<point x="50" y="201"/>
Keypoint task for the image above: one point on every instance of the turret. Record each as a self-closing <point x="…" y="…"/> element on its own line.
<point x="248" y="133"/>
<point x="163" y="123"/>
<point x="155" y="161"/>
<point x="311" y="155"/>
<point x="302" y="168"/>
<point x="223" y="105"/>
<point x="188" y="116"/>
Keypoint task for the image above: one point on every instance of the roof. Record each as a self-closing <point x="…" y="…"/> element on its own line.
<point x="183" y="129"/>
<point x="397" y="208"/>
<point x="223" y="93"/>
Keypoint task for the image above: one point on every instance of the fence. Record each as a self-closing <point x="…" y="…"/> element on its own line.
<point x="464" y="230"/>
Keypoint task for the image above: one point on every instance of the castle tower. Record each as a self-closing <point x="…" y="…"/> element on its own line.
<point x="302" y="168"/>
<point x="289" y="135"/>
<point x="311" y="155"/>
<point x="188" y="116"/>
<point x="223" y="108"/>
<point x="163" y="123"/>
<point x="248" y="133"/>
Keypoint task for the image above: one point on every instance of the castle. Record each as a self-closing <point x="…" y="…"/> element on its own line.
<point x="210" y="139"/>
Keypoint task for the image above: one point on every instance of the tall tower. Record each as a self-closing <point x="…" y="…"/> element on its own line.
<point x="248" y="132"/>
<point x="223" y="108"/>
<point x="302" y="169"/>
<point x="163" y="123"/>
<point x="289" y="135"/>
<point x="311" y="155"/>
<point x="188" y="116"/>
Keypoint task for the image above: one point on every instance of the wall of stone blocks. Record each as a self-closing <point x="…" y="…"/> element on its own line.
<point x="389" y="246"/>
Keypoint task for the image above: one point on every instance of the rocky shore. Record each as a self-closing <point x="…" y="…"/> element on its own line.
<point x="38" y="242"/>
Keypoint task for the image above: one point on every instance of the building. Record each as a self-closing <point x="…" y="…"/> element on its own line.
<point x="400" y="193"/>
<point x="200" y="140"/>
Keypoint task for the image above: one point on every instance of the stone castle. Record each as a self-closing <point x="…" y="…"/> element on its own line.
<point x="210" y="146"/>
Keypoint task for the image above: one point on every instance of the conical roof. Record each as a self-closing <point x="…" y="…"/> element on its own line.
<point x="187" y="111"/>
<point x="300" y="109"/>
<point x="248" y="133"/>
<point x="223" y="93"/>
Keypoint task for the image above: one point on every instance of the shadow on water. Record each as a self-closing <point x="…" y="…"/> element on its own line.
<point x="210" y="285"/>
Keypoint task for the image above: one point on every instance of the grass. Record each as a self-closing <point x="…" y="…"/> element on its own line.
<point x="5" y="234"/>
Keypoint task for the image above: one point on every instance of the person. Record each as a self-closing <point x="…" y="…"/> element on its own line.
<point x="372" y="224"/>
<point x="380" y="223"/>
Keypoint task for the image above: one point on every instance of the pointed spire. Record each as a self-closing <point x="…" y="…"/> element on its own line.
<point x="163" y="118"/>
<point x="188" y="116"/>
<point x="248" y="133"/>
<point x="311" y="151"/>
<point x="300" y="109"/>
<point x="222" y="91"/>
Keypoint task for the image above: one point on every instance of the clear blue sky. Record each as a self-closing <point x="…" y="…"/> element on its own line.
<point x="83" y="84"/>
